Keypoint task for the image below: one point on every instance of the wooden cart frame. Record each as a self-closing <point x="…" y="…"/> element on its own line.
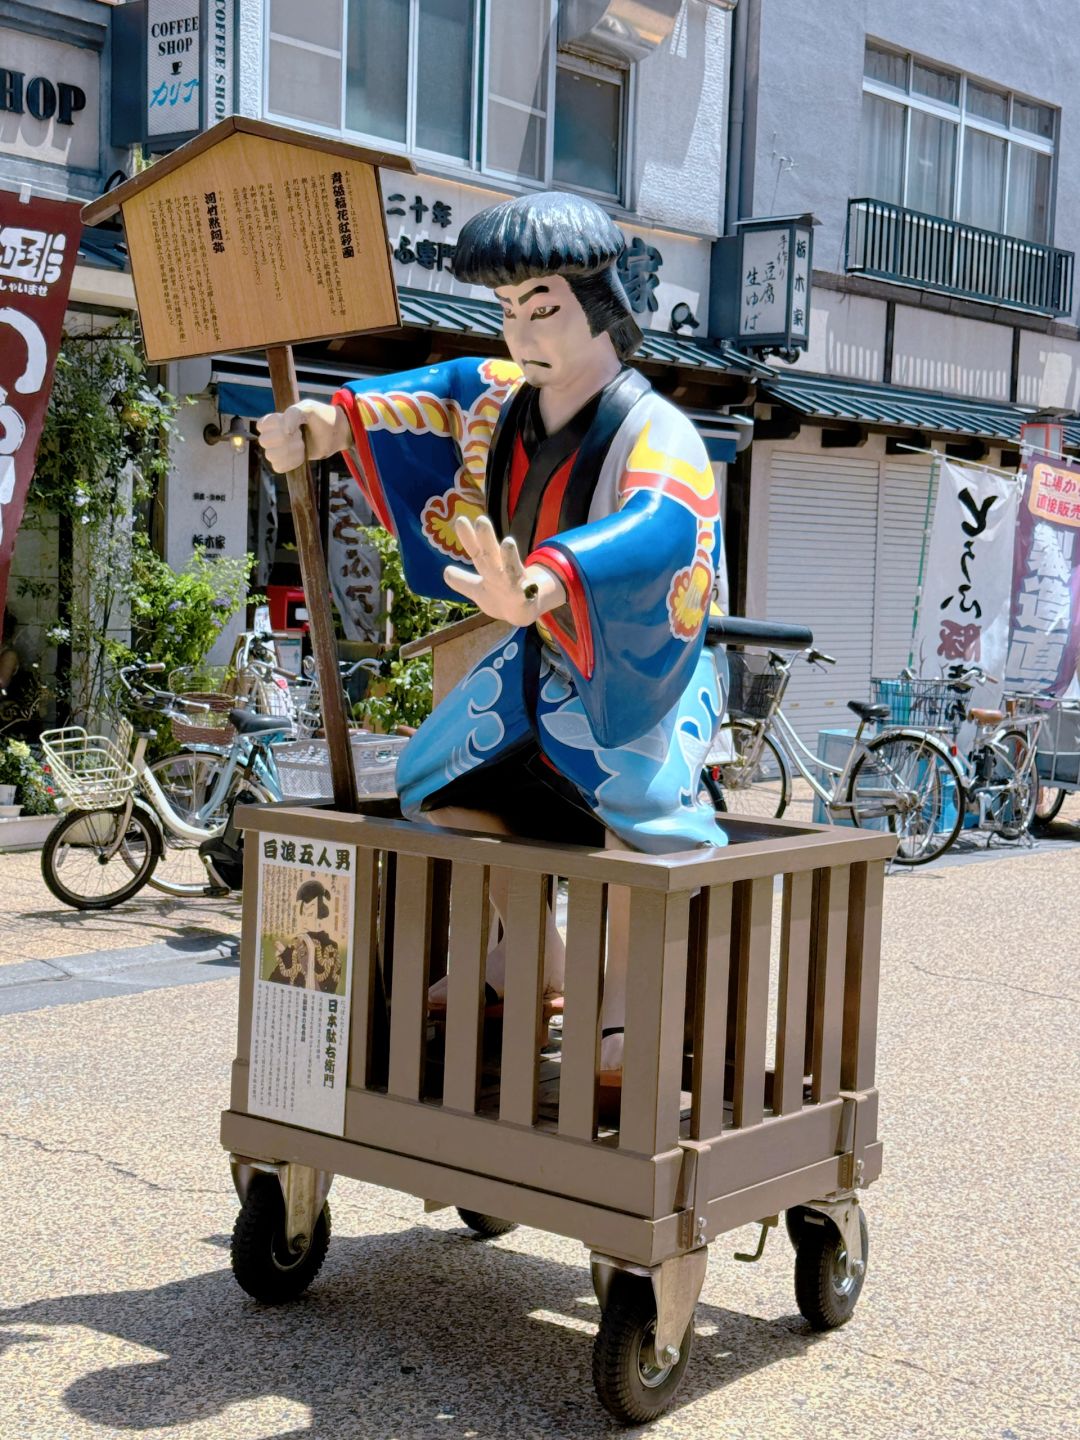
<point x="710" y="1134"/>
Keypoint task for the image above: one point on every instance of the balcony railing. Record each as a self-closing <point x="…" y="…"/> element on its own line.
<point x="892" y="243"/>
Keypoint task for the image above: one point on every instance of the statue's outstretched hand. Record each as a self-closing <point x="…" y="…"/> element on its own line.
<point x="502" y="587"/>
<point x="324" y="428"/>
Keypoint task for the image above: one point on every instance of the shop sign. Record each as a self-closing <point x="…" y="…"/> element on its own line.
<point x="39" y="241"/>
<point x="663" y="275"/>
<point x="1045" y="643"/>
<point x="48" y="101"/>
<point x="761" y="285"/>
<point x="184" y="53"/>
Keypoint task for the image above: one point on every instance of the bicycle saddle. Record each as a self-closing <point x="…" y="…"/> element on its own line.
<point x="866" y="711"/>
<point x="769" y="634"/>
<point x="247" y="723"/>
<point x="986" y="717"/>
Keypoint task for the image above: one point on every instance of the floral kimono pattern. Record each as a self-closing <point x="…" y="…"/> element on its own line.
<point x="614" y="688"/>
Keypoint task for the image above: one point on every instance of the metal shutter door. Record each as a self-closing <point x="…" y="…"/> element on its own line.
<point x="823" y="526"/>
<point x="902" y="519"/>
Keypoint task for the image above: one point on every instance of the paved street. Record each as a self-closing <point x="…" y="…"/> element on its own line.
<point x="118" y="1314"/>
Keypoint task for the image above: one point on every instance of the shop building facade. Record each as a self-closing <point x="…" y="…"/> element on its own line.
<point x="625" y="103"/>
<point x="56" y="143"/>
<point x="940" y="157"/>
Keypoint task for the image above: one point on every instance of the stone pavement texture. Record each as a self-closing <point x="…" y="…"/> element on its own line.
<point x="119" y="1317"/>
<point x="36" y="926"/>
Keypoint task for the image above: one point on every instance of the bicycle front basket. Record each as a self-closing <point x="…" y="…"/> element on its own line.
<point x="925" y="704"/>
<point x="753" y="684"/>
<point x="90" y="770"/>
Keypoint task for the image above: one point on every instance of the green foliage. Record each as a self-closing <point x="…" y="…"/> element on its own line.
<point x="177" y="615"/>
<point x="403" y="697"/>
<point x="105" y="426"/>
<point x="103" y="457"/>
<point x="20" y="767"/>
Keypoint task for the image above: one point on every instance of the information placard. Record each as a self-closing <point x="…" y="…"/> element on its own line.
<point x="303" y="982"/>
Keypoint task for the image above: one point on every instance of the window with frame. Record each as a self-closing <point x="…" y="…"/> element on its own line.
<point x="420" y="73"/>
<point x="590" y="123"/>
<point x="937" y="141"/>
<point x="402" y="71"/>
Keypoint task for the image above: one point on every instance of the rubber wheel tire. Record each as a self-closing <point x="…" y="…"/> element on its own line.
<point x="486" y="1226"/>
<point x="52" y="869"/>
<point x="1042" y="819"/>
<point x="826" y="1297"/>
<point x="1014" y="827"/>
<point x="898" y="741"/>
<point x="261" y="1260"/>
<point x="627" y="1385"/>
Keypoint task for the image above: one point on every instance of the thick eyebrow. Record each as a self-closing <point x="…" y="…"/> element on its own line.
<point x="536" y="290"/>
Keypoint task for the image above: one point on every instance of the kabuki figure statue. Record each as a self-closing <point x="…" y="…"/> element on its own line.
<point x="558" y="493"/>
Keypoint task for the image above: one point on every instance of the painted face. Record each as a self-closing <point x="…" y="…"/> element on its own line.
<point x="546" y="330"/>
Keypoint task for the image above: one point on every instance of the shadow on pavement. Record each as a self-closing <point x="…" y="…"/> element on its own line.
<point x="418" y="1333"/>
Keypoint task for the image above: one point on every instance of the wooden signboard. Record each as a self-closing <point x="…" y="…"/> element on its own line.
<point x="253" y="236"/>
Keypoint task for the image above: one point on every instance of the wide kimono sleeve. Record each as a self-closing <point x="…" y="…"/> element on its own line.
<point x="419" y="451"/>
<point x="639" y="581"/>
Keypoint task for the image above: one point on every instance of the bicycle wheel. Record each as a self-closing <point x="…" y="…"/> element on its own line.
<point x="755" y="785"/>
<point x="906" y="783"/>
<point x="93" y="859"/>
<point x="1014" y="786"/>
<point x="188" y="780"/>
<point x="1048" y="803"/>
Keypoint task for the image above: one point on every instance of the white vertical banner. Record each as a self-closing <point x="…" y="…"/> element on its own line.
<point x="967" y="581"/>
<point x="303" y="982"/>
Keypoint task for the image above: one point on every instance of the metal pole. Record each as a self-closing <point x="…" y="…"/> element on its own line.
<point x="316" y="583"/>
<point x="934" y="471"/>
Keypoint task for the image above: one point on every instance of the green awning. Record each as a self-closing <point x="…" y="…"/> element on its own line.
<point x="484" y="317"/>
<point x="892" y="407"/>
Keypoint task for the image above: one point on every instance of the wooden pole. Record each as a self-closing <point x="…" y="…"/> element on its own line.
<point x="316" y="594"/>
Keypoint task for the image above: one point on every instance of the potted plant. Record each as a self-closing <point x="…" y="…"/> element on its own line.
<point x="24" y="784"/>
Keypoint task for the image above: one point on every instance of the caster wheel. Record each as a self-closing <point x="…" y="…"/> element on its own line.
<point x="632" y="1382"/>
<point x="486" y="1226"/>
<point x="795" y="1223"/>
<point x="262" y="1262"/>
<point x="824" y="1292"/>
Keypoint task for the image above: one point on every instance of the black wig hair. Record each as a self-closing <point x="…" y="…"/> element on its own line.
<point x="553" y="233"/>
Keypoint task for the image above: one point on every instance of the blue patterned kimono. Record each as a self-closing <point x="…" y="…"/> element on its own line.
<point x="613" y="691"/>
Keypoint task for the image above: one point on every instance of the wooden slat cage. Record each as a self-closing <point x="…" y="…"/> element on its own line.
<point x="739" y="1098"/>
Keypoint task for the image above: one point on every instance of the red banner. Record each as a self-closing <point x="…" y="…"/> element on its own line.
<point x="1045" y="641"/>
<point x="39" y="242"/>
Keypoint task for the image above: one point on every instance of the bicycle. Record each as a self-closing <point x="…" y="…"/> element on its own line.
<point x="903" y="778"/>
<point x="120" y="829"/>
<point x="998" y="772"/>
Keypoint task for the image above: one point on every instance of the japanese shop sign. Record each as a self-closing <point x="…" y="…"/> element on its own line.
<point x="761" y="284"/>
<point x="353" y="562"/>
<point x="184" y="50"/>
<point x="424" y="217"/>
<point x="1045" y="641"/>
<point x="964" y="609"/>
<point x="38" y="245"/>
<point x="302" y="982"/>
